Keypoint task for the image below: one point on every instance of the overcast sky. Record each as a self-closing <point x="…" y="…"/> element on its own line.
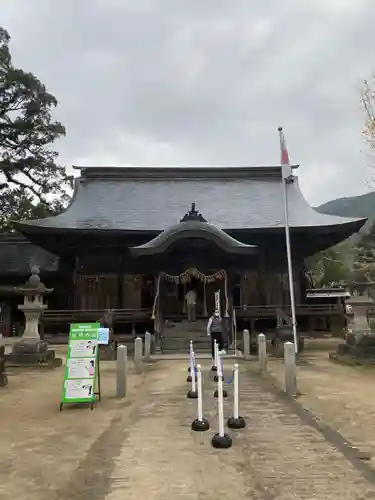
<point x="205" y="81"/>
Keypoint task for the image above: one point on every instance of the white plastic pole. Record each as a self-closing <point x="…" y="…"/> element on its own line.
<point x="191" y="353"/>
<point x="220" y="404"/>
<point x="200" y="401"/>
<point x="192" y="372"/>
<point x="217" y="360"/>
<point x="234" y="332"/>
<point x="215" y="353"/>
<point x="289" y="259"/>
<point x="235" y="392"/>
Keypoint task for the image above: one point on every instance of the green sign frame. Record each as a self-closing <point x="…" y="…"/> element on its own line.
<point x="82" y="364"/>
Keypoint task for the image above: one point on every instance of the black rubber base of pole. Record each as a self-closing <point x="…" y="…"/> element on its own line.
<point x="214" y="368"/>
<point x="216" y="393"/>
<point x="216" y="378"/>
<point x="221" y="442"/>
<point x="236" y="423"/>
<point x="189" y="378"/>
<point x="192" y="394"/>
<point x="200" y="425"/>
<point x="189" y="369"/>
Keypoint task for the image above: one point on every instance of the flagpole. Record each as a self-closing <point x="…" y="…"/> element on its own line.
<point x="288" y="246"/>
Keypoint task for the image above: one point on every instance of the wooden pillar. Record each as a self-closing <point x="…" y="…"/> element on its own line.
<point x="76" y="302"/>
<point x="120" y="284"/>
<point x="262" y="279"/>
<point x="230" y="282"/>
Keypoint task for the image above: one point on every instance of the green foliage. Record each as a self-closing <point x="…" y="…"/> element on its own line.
<point x="330" y="266"/>
<point x="31" y="184"/>
<point x="364" y="257"/>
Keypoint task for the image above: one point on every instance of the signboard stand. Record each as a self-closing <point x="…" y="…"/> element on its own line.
<point x="98" y="376"/>
<point x="82" y="371"/>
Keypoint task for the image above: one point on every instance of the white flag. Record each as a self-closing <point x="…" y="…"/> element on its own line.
<point x="217" y="302"/>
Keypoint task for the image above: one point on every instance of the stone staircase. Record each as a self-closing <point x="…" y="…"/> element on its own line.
<point x="177" y="336"/>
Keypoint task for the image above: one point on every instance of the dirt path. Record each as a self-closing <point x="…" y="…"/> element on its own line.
<point x="276" y="457"/>
<point x="41" y="448"/>
<point x="340" y="395"/>
<point x="144" y="448"/>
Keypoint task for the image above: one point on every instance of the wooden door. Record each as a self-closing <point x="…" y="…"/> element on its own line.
<point x="132" y="291"/>
<point x="95" y="292"/>
<point x="250" y="291"/>
<point x="5" y="319"/>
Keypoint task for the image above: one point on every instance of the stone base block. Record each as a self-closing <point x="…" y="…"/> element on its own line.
<point x="349" y="359"/>
<point x="29" y="347"/>
<point x="33" y="354"/>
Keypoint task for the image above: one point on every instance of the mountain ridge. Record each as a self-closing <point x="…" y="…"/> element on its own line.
<point x="351" y="206"/>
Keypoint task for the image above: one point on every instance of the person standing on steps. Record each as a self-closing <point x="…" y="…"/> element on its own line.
<point x="191" y="302"/>
<point x="215" y="331"/>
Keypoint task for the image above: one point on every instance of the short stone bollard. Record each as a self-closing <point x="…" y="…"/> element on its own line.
<point x="246" y="344"/>
<point x="3" y="375"/>
<point x="147" y="355"/>
<point x="138" y="355"/>
<point x="262" y="352"/>
<point x="121" y="371"/>
<point x="290" y="369"/>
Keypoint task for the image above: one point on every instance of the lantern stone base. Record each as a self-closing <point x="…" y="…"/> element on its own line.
<point x="357" y="350"/>
<point x="35" y="352"/>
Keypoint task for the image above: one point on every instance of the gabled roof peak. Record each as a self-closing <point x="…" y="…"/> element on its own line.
<point x="193" y="215"/>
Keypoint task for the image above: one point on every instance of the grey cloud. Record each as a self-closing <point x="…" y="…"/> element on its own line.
<point x="156" y="81"/>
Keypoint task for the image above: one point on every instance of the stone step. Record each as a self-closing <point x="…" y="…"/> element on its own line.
<point x="186" y="336"/>
<point x="182" y="345"/>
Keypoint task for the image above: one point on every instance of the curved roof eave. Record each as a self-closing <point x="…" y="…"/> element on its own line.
<point x="39" y="226"/>
<point x="193" y="229"/>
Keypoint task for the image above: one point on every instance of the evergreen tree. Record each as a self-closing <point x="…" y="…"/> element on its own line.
<point x="329" y="268"/>
<point x="31" y="184"/>
<point x="364" y="257"/>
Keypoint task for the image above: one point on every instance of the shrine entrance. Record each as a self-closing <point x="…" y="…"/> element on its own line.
<point x="173" y="289"/>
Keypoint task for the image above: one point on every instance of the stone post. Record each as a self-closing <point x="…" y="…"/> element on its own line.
<point x="3" y="377"/>
<point x="147" y="346"/>
<point x="138" y="355"/>
<point x="121" y="371"/>
<point x="262" y="352"/>
<point x="290" y="369"/>
<point x="246" y="344"/>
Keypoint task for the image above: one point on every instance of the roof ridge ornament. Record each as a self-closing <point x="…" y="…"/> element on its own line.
<point x="193" y="215"/>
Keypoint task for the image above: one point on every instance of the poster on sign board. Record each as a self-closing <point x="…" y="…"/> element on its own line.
<point x="81" y="369"/>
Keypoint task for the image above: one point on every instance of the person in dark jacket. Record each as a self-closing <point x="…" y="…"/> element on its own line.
<point x="215" y="331"/>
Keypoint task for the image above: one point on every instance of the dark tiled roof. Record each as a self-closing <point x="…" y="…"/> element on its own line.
<point x="17" y="256"/>
<point x="154" y="198"/>
<point x="193" y="229"/>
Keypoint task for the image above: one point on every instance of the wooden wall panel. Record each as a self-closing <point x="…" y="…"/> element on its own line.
<point x="132" y="291"/>
<point x="250" y="290"/>
<point x="96" y="291"/>
<point x="5" y="319"/>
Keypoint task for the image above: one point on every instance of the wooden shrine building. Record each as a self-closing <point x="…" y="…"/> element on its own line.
<point x="134" y="239"/>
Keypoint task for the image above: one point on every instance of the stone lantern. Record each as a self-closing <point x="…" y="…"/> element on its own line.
<point x="360" y="340"/>
<point x="358" y="319"/>
<point x="31" y="349"/>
